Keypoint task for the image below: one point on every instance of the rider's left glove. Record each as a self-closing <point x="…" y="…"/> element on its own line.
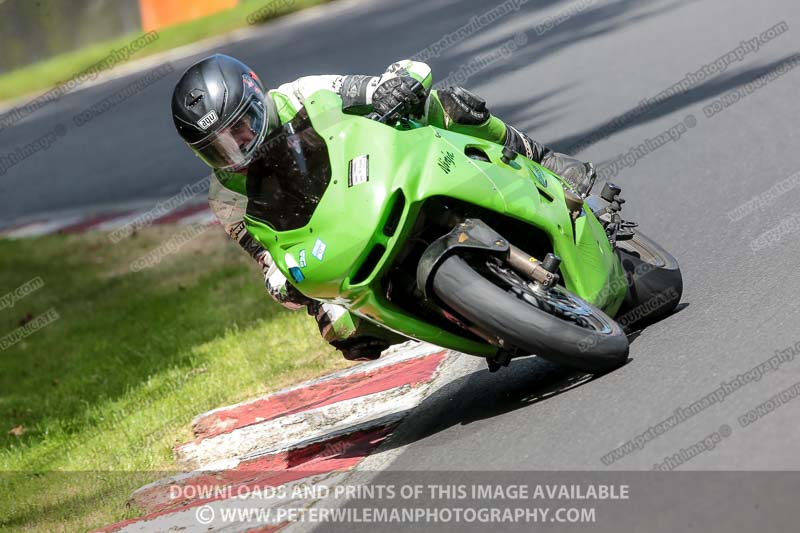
<point x="278" y="286"/>
<point x="398" y="94"/>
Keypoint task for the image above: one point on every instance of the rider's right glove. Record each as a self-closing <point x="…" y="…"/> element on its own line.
<point x="398" y="93"/>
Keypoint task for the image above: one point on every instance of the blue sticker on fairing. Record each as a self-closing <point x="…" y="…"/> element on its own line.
<point x="297" y="274"/>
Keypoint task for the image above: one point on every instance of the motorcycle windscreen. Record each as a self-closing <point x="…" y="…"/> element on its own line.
<point x="286" y="181"/>
<point x="226" y="197"/>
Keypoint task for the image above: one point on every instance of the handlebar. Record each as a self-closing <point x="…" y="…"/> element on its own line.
<point x="383" y="118"/>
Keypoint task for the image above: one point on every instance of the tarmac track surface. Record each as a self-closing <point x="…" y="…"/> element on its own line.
<point x="568" y="84"/>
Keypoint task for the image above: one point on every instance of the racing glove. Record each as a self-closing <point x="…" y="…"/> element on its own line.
<point x="278" y="286"/>
<point x="398" y="93"/>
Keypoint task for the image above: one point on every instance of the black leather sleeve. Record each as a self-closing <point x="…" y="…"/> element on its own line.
<point x="523" y="144"/>
<point x="463" y="107"/>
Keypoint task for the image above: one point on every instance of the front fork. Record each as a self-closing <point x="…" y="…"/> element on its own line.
<point x="607" y="208"/>
<point x="476" y="235"/>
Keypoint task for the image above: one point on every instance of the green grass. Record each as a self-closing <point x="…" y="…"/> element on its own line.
<point x="106" y="391"/>
<point x="48" y="73"/>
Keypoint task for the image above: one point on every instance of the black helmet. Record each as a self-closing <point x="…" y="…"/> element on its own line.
<point x="220" y="109"/>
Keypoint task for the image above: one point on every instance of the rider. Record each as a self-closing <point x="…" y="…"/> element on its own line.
<point x="220" y="108"/>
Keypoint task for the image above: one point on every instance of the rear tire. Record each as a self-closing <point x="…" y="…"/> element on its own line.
<point x="599" y="344"/>
<point x="655" y="283"/>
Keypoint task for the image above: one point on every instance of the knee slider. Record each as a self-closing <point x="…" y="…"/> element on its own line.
<point x="463" y="107"/>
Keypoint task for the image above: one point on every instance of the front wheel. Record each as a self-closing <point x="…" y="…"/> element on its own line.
<point x="551" y="323"/>
<point x="655" y="284"/>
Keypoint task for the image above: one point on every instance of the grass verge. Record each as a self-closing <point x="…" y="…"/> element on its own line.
<point x="52" y="71"/>
<point x="92" y="404"/>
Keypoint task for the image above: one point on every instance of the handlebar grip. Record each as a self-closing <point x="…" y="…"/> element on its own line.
<point x="417" y="86"/>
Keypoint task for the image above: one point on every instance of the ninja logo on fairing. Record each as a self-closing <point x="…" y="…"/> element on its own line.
<point x="447" y="161"/>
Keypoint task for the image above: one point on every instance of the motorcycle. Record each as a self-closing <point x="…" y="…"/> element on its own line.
<point x="453" y="240"/>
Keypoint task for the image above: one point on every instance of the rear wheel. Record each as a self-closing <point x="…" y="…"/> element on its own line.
<point x="655" y="284"/>
<point x="551" y="323"/>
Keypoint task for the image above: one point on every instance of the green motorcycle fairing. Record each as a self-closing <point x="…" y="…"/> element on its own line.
<point x="356" y="173"/>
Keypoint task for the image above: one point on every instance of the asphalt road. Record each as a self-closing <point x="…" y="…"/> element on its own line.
<point x="565" y="85"/>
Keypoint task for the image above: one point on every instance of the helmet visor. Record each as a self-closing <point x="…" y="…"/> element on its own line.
<point x="234" y="145"/>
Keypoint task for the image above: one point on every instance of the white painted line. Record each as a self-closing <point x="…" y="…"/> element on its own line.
<point x="120" y="221"/>
<point x="300" y="428"/>
<point x="454" y="367"/>
<point x="186" y="520"/>
<point x="304" y="428"/>
<point x="393" y="355"/>
<point x="38" y="229"/>
<point x="203" y="217"/>
<point x="48" y="223"/>
<point x="81" y="213"/>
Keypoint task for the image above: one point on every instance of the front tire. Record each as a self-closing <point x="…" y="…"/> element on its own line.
<point x="557" y="326"/>
<point x="655" y="283"/>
